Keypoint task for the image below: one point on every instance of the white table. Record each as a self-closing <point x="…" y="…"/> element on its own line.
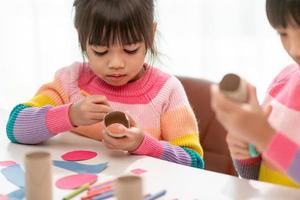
<point x="181" y="182"/>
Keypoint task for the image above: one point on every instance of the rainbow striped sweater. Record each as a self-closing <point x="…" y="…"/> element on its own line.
<point x="280" y="163"/>
<point x="157" y="102"/>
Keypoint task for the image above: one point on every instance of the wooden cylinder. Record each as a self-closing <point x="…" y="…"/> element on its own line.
<point x="129" y="187"/>
<point x="38" y="176"/>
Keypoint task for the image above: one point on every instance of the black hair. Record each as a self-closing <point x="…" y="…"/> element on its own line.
<point x="282" y="13"/>
<point x="106" y="22"/>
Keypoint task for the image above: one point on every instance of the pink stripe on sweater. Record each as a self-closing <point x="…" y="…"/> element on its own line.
<point x="137" y="112"/>
<point x="141" y="91"/>
<point x="284" y="119"/>
<point x="57" y="119"/>
<point x="281" y="151"/>
<point x="285" y="88"/>
<point x="150" y="146"/>
<point x="69" y="77"/>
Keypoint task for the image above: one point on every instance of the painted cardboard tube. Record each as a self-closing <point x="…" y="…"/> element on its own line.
<point x="113" y="120"/>
<point x="38" y="176"/>
<point x="234" y="87"/>
<point x="128" y="187"/>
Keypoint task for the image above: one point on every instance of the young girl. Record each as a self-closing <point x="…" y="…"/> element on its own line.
<point x="115" y="36"/>
<point x="278" y="137"/>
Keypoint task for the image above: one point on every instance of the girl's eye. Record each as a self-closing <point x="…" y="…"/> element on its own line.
<point x="131" y="51"/>
<point x="98" y="53"/>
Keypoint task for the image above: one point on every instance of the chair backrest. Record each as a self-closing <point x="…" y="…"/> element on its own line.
<point x="212" y="134"/>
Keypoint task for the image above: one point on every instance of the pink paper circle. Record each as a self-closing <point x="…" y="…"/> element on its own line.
<point x="138" y="171"/>
<point x="7" y="164"/>
<point x="78" y="155"/>
<point x="75" y="181"/>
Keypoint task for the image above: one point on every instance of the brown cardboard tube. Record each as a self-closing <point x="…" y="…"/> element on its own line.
<point x="112" y="120"/>
<point x="38" y="176"/>
<point x="234" y="87"/>
<point x="128" y="187"/>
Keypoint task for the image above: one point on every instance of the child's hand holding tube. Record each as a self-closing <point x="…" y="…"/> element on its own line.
<point x="89" y="110"/>
<point x="121" y="132"/>
<point x="246" y="122"/>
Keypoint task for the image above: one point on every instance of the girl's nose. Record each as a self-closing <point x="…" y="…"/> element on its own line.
<point x="295" y="49"/>
<point x="116" y="62"/>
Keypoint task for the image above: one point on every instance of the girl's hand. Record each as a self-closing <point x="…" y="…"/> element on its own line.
<point x="132" y="140"/>
<point x="246" y="121"/>
<point x="89" y="110"/>
<point x="238" y="149"/>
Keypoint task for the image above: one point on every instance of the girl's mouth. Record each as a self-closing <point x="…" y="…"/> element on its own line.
<point x="116" y="77"/>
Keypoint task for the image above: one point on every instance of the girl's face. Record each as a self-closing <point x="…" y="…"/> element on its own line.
<point x="290" y="38"/>
<point x="117" y="65"/>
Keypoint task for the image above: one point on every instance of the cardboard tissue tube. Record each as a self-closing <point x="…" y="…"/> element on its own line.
<point x="113" y="120"/>
<point x="128" y="187"/>
<point x="235" y="88"/>
<point x="38" y="176"/>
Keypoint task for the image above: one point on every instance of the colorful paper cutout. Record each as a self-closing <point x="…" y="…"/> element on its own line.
<point x="75" y="181"/>
<point x="138" y="171"/>
<point x="78" y="155"/>
<point x="18" y="194"/>
<point x="7" y="163"/>
<point x="104" y="195"/>
<point x="15" y="175"/>
<point x="80" y="168"/>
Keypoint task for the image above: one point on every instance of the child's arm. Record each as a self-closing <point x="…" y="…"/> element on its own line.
<point x="42" y="117"/>
<point x="245" y="166"/>
<point x="248" y="168"/>
<point x="250" y="123"/>
<point x="281" y="151"/>
<point x="180" y="136"/>
<point x="47" y="113"/>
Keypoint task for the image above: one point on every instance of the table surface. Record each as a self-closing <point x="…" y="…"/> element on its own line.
<point x="181" y="182"/>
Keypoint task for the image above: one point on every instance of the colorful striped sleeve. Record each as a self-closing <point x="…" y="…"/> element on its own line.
<point x="284" y="154"/>
<point x="180" y="137"/>
<point x="44" y="116"/>
<point x="248" y="168"/>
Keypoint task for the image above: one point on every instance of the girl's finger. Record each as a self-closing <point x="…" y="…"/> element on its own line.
<point x="99" y="108"/>
<point x="240" y="157"/>
<point x="238" y="144"/>
<point x="98" y="99"/>
<point x="221" y="103"/>
<point x="230" y="139"/>
<point x="116" y="142"/>
<point x="108" y="145"/>
<point x="252" y="96"/>
<point x="237" y="152"/>
<point x="267" y="110"/>
<point x="96" y="116"/>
